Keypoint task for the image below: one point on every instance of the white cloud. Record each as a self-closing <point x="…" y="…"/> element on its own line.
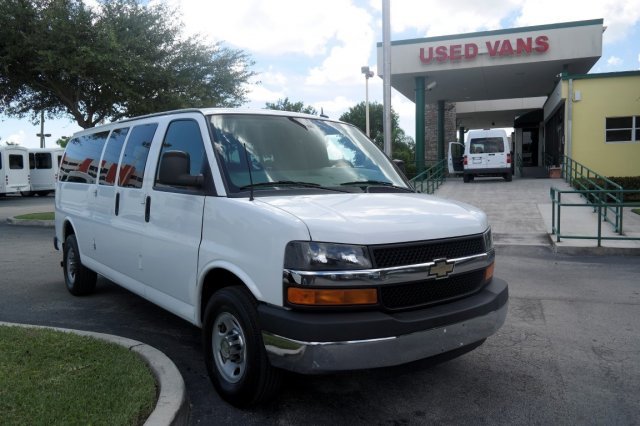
<point x="614" y="61"/>
<point x="19" y="137"/>
<point x="619" y="15"/>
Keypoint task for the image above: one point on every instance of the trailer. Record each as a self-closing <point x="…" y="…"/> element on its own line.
<point x="14" y="169"/>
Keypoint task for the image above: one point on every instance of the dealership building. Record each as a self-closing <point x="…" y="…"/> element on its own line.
<point x="532" y="79"/>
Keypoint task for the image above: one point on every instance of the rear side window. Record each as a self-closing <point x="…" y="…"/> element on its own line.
<point x="16" y="162"/>
<point x="486" y="145"/>
<point x="80" y="161"/>
<point x="111" y="156"/>
<point x="135" y="155"/>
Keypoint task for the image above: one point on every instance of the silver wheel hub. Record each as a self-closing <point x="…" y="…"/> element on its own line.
<point x="72" y="265"/>
<point x="229" y="349"/>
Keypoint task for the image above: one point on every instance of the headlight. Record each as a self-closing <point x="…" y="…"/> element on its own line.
<point x="488" y="240"/>
<point x="313" y="256"/>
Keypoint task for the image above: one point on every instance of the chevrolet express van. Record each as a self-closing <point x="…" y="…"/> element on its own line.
<point x="290" y="239"/>
<point x="14" y="169"/>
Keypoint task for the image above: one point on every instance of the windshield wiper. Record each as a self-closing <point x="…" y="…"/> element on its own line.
<point x="368" y="183"/>
<point x="290" y="183"/>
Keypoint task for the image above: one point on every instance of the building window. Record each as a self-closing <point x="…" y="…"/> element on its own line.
<point x="622" y="129"/>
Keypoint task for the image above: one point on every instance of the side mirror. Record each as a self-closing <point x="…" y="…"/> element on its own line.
<point x="175" y="170"/>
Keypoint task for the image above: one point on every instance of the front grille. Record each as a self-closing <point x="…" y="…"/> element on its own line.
<point x="426" y="251"/>
<point x="427" y="292"/>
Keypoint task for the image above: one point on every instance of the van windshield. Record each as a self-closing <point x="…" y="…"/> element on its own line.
<point x="486" y="145"/>
<point x="269" y="151"/>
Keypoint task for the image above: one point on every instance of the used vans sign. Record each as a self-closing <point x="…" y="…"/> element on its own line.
<point x="497" y="48"/>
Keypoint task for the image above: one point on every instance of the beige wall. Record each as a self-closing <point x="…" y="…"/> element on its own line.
<point x="600" y="98"/>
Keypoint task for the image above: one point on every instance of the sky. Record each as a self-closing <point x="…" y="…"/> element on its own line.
<point x="312" y="51"/>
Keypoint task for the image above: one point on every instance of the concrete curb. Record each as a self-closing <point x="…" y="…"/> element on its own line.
<point x="29" y="222"/>
<point x="172" y="408"/>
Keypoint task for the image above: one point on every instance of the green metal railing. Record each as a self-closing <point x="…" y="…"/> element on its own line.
<point x="601" y="205"/>
<point x="431" y="179"/>
<point x="598" y="190"/>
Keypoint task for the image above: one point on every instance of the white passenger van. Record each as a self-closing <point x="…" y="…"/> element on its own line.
<point x="14" y="169"/>
<point x="486" y="153"/>
<point x="290" y="239"/>
<point x="43" y="168"/>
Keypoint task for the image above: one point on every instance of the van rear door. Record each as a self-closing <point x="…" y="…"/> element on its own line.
<point x="487" y="153"/>
<point x="455" y="159"/>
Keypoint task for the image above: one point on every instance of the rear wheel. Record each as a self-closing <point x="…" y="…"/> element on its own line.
<point x="466" y="178"/>
<point x="235" y="356"/>
<point x="27" y="193"/>
<point x="508" y="177"/>
<point x="79" y="279"/>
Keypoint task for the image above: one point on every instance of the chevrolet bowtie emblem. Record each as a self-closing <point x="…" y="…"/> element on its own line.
<point x="441" y="268"/>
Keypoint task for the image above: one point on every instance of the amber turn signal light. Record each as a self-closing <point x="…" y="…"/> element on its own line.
<point x="332" y="297"/>
<point x="488" y="273"/>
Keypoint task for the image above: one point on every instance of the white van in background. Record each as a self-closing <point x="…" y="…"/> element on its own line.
<point x="14" y="169"/>
<point x="44" y="164"/>
<point x="486" y="153"/>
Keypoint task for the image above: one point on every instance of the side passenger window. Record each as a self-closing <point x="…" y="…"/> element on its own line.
<point x="111" y="156"/>
<point x="183" y="162"/>
<point x="80" y="162"/>
<point x="135" y="155"/>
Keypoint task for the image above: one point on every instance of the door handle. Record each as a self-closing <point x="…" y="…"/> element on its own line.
<point x="147" y="209"/>
<point x="117" y="203"/>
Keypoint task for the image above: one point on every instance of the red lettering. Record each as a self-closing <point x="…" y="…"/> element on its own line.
<point x="426" y="60"/>
<point x="506" y="49"/>
<point x="542" y="44"/>
<point x="470" y="50"/>
<point x="493" y="48"/>
<point x="441" y="53"/>
<point x="455" y="51"/>
<point x="524" y="46"/>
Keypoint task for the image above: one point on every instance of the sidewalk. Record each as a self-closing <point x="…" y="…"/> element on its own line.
<point x="520" y="214"/>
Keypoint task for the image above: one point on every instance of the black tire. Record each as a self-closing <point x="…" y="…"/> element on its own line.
<point x="238" y="366"/>
<point x="79" y="279"/>
<point x="43" y="193"/>
<point x="466" y="178"/>
<point x="27" y="193"/>
<point x="508" y="177"/>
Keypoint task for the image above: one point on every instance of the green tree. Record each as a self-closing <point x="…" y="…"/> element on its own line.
<point x="286" y="105"/>
<point x="63" y="141"/>
<point x="116" y="60"/>
<point x="403" y="146"/>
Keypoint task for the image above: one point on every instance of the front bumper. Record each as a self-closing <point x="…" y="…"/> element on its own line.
<point x="326" y="342"/>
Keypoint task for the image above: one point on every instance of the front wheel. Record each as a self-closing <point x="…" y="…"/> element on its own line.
<point x="79" y="279"/>
<point x="235" y="356"/>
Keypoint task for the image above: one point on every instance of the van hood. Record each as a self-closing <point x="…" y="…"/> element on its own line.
<point x="381" y="218"/>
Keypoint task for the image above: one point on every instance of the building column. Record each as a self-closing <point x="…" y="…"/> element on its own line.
<point x="420" y="124"/>
<point x="440" y="130"/>
<point x="461" y="134"/>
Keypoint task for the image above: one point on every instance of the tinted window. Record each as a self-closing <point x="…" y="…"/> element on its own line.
<point x="43" y="160"/>
<point x="80" y="161"/>
<point x="32" y="161"/>
<point x="486" y="145"/>
<point x="16" y="161"/>
<point x="184" y="149"/>
<point x="111" y="156"/>
<point x="135" y="155"/>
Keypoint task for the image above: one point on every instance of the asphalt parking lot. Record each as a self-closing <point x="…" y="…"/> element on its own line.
<point x="569" y="352"/>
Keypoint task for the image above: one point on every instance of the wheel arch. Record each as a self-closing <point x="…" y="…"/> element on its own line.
<point x="215" y="279"/>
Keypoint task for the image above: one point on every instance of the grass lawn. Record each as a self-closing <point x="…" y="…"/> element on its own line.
<point x="37" y="216"/>
<point x="636" y="211"/>
<point x="52" y="377"/>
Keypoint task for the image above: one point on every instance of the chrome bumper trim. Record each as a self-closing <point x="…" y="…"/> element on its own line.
<point x="325" y="357"/>
<point x="395" y="275"/>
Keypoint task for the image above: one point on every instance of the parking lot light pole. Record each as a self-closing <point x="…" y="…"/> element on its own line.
<point x="367" y="75"/>
<point x="42" y="134"/>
